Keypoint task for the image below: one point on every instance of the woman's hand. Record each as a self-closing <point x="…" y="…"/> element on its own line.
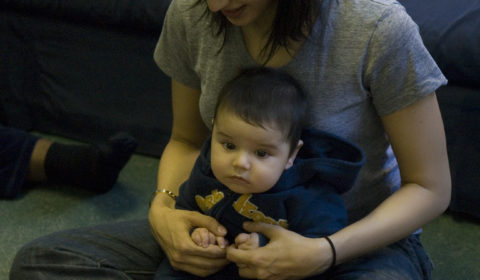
<point x="171" y="228"/>
<point x="288" y="255"/>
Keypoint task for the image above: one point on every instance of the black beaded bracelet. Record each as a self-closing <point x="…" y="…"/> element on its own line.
<point x="334" y="252"/>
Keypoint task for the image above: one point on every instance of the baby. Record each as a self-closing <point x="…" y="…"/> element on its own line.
<point x="262" y="165"/>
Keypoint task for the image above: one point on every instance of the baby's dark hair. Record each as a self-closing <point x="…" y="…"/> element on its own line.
<point x="267" y="97"/>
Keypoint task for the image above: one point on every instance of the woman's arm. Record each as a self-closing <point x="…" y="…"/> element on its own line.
<point x="171" y="227"/>
<point x="187" y="136"/>
<point x="417" y="136"/>
<point x="418" y="140"/>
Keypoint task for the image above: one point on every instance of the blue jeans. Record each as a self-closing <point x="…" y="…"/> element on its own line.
<point x="127" y="250"/>
<point x="16" y="148"/>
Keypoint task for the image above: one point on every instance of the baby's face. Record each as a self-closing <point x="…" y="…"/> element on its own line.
<point x="247" y="158"/>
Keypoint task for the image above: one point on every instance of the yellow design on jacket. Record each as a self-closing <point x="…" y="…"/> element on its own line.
<point x="250" y="210"/>
<point x="209" y="200"/>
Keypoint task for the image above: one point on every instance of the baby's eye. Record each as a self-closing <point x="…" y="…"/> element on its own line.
<point x="229" y="146"/>
<point x="261" y="153"/>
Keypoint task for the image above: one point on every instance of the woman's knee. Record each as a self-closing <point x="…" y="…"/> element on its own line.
<point x="39" y="258"/>
<point x="106" y="252"/>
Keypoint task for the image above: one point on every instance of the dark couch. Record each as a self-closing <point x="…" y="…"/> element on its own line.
<point x="84" y="69"/>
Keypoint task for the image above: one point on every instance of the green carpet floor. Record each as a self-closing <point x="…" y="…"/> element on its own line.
<point x="453" y="243"/>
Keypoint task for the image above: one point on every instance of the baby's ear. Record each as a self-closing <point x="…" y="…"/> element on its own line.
<point x="293" y="154"/>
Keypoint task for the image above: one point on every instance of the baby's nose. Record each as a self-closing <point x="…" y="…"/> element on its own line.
<point x="241" y="161"/>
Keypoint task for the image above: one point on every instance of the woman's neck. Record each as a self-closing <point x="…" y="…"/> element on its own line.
<point x="255" y="43"/>
<point x="256" y="36"/>
<point x="262" y="26"/>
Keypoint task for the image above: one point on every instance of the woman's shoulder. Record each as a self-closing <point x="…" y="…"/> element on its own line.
<point x="368" y="11"/>
<point x="371" y="7"/>
<point x="184" y="5"/>
<point x="359" y="19"/>
<point x="185" y="11"/>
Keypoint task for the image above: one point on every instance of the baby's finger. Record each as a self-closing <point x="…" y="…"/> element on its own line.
<point x="242" y="238"/>
<point x="253" y="239"/>
<point x="197" y="238"/>
<point x="222" y="242"/>
<point x="211" y="238"/>
<point x="205" y="238"/>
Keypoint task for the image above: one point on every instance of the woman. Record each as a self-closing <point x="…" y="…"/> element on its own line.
<point x="371" y="81"/>
<point x="367" y="70"/>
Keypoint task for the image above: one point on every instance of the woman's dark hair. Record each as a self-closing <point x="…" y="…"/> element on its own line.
<point x="267" y="97"/>
<point x="294" y="20"/>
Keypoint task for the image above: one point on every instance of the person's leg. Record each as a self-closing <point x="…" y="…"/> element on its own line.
<point x="125" y="250"/>
<point x="16" y="147"/>
<point x="36" y="167"/>
<point x="403" y="260"/>
<point x="92" y="167"/>
<point x="166" y="272"/>
<point x="28" y="158"/>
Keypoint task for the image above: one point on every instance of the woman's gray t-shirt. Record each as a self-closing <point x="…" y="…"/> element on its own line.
<point x="363" y="59"/>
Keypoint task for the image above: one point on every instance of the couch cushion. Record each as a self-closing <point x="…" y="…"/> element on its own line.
<point x="451" y="32"/>
<point x="82" y="81"/>
<point x="461" y="112"/>
<point x="145" y="14"/>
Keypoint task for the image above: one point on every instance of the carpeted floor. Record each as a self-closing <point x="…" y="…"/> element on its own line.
<point x="453" y="243"/>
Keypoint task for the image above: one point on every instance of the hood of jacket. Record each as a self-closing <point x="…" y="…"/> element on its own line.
<point x="324" y="158"/>
<point x="327" y="158"/>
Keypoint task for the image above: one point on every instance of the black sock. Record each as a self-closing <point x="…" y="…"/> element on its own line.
<point x="91" y="167"/>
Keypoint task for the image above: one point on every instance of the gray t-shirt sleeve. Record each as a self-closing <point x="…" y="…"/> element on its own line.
<point x="173" y="54"/>
<point x="398" y="69"/>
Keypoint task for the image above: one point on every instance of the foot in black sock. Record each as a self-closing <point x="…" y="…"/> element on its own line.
<point x="91" y="167"/>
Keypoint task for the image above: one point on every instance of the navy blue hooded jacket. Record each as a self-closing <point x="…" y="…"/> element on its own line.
<point x="306" y="199"/>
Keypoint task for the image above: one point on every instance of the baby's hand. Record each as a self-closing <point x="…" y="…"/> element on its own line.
<point x="204" y="238"/>
<point x="247" y="241"/>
